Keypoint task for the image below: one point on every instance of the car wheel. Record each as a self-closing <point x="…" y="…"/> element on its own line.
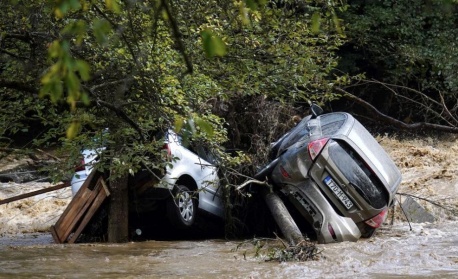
<point x="366" y="231"/>
<point x="182" y="208"/>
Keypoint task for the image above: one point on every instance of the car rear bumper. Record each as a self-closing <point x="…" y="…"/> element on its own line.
<point x="329" y="226"/>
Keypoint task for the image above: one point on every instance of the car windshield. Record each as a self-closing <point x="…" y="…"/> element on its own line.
<point x="358" y="174"/>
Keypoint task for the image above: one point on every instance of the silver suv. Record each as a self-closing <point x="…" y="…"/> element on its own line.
<point x="190" y="182"/>
<point x="336" y="175"/>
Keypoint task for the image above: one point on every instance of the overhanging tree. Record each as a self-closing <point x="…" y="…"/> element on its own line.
<point x="138" y="67"/>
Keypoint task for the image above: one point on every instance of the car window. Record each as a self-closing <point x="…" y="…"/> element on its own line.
<point x="330" y="124"/>
<point x="358" y="174"/>
<point x="204" y="153"/>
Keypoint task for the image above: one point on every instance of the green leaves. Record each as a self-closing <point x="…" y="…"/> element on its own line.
<point x="137" y="56"/>
<point x="255" y="4"/>
<point x="213" y="45"/>
<point x="101" y="29"/>
<point x="316" y="22"/>
<point x="77" y="29"/>
<point x="194" y="125"/>
<point x="73" y="129"/>
<point x="64" y="6"/>
<point x="113" y="6"/>
<point x="65" y="73"/>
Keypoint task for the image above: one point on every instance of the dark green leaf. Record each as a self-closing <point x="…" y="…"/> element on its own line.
<point x="316" y="22"/>
<point x="213" y="44"/>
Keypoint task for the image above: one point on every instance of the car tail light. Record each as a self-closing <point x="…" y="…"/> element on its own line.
<point x="168" y="151"/>
<point x="284" y="172"/>
<point x="377" y="220"/>
<point x="316" y="146"/>
<point x="81" y="165"/>
<point x="332" y="232"/>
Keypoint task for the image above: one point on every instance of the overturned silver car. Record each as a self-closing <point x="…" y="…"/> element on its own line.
<point x="335" y="174"/>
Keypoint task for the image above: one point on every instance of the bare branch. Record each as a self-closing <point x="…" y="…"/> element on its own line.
<point x="110" y="84"/>
<point x="392" y="121"/>
<point x="448" y="113"/>
<point x="427" y="200"/>
<point x="18" y="86"/>
<point x="426" y="104"/>
<point x="248" y="182"/>
<point x="177" y="35"/>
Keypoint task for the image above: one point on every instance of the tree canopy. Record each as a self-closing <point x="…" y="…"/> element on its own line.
<point x="407" y="52"/>
<point x="135" y="67"/>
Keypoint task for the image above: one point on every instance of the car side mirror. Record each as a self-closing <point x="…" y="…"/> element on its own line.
<point x="316" y="110"/>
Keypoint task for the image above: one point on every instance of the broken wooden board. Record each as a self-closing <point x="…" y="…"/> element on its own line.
<point x="34" y="193"/>
<point x="81" y="209"/>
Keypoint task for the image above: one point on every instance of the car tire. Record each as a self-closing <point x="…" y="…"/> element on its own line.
<point x="182" y="208"/>
<point x="366" y="231"/>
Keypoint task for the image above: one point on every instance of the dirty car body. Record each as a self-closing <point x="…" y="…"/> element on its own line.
<point x="337" y="176"/>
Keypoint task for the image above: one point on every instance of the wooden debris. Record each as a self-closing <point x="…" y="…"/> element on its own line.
<point x="34" y="193"/>
<point x="81" y="209"/>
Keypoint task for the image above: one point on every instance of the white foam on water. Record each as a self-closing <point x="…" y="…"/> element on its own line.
<point x="33" y="214"/>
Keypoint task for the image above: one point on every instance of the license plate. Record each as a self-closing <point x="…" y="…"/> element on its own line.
<point x="338" y="192"/>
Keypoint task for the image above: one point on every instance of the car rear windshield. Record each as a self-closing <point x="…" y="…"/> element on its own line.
<point x="330" y="124"/>
<point x="358" y="174"/>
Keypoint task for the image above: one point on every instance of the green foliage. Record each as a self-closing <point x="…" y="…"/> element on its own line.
<point x="406" y="43"/>
<point x="213" y="45"/>
<point x="255" y="4"/>
<point x="65" y="6"/>
<point x="282" y="52"/>
<point x="65" y="74"/>
<point x="126" y="66"/>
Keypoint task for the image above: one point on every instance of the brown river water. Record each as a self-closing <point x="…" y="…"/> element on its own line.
<point x="424" y="250"/>
<point x="428" y="251"/>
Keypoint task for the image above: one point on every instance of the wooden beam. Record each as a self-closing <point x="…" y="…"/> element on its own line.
<point x="34" y="193"/>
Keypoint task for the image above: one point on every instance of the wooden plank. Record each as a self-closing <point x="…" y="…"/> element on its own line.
<point x="74" y="206"/>
<point x="77" y="207"/>
<point x="75" y="199"/>
<point x="79" y="211"/>
<point x="34" y="193"/>
<point x="105" y="187"/>
<point x="101" y="196"/>
<point x="55" y="236"/>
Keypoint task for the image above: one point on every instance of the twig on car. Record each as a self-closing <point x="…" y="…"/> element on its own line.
<point x="248" y="182"/>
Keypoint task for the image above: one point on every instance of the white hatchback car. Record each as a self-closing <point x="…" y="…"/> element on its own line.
<point x="190" y="182"/>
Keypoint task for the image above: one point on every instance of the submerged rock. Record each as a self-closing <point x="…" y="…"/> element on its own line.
<point x="416" y="213"/>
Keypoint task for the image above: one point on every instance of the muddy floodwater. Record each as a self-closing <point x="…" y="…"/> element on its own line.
<point x="424" y="250"/>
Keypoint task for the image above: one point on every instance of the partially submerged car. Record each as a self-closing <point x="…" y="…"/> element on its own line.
<point x="335" y="174"/>
<point x="190" y="183"/>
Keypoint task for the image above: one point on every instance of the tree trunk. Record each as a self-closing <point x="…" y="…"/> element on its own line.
<point x="284" y="220"/>
<point x="118" y="221"/>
